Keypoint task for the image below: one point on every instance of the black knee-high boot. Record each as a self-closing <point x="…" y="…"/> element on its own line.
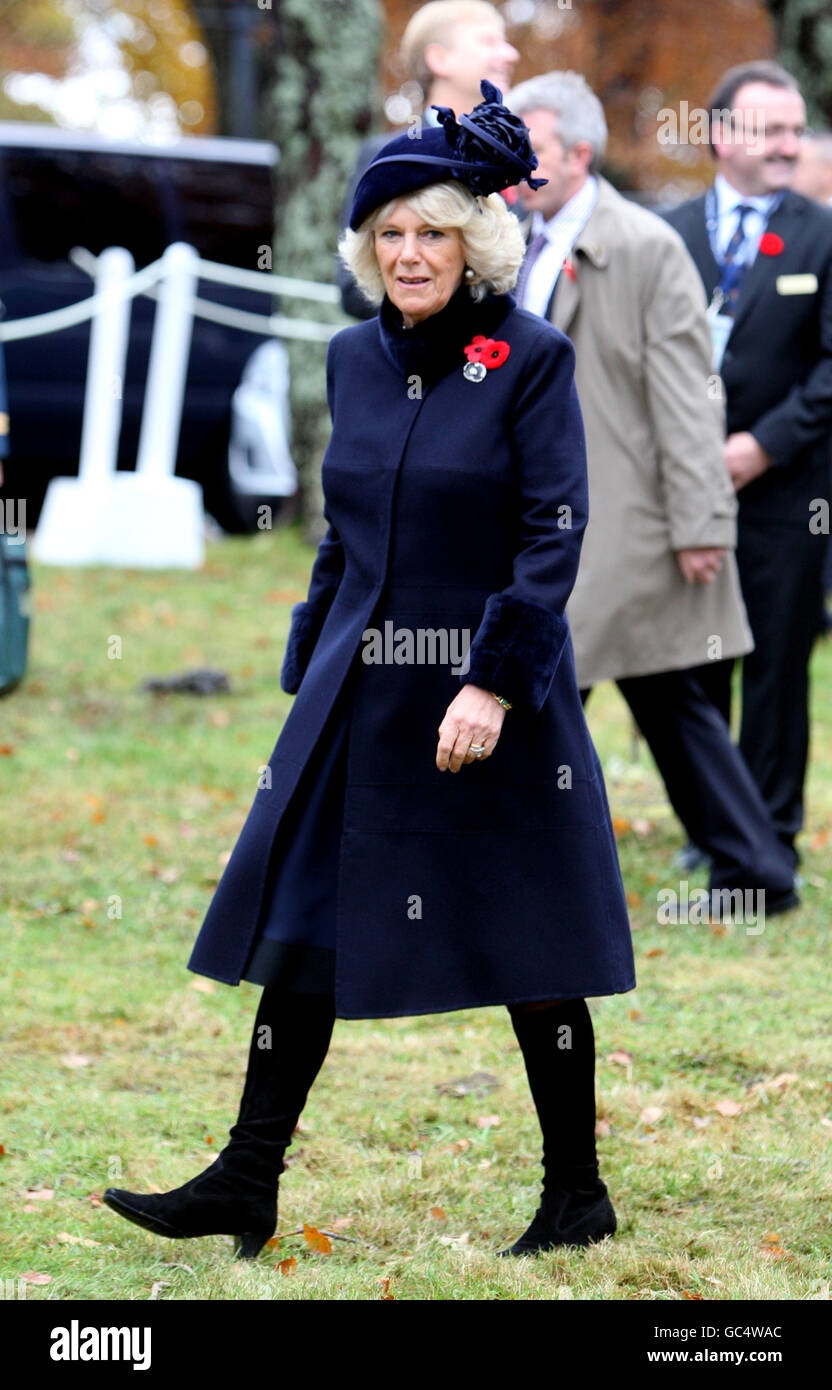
<point x="558" y="1046"/>
<point x="237" y="1194"/>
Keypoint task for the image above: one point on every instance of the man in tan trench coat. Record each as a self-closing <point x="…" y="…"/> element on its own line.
<point x="657" y="589"/>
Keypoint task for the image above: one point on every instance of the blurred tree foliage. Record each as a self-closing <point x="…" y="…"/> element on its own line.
<point x="321" y="105"/>
<point x="804" y="39"/>
<point x="157" y="42"/>
<point x="640" y="57"/>
<point x="35" y="36"/>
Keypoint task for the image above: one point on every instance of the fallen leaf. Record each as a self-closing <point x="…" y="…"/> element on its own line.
<point x="486" y="1121"/>
<point x="651" y="1115"/>
<point x="41" y="1194"/>
<point x="771" y="1238"/>
<point x="634" y="1014"/>
<point x="479" y="1083"/>
<point x="701" y="1121"/>
<point x="342" y="1223"/>
<point x="385" y="1288"/>
<point x="30" y="1277"/>
<point x="633" y="898"/>
<point x="656" y="951"/>
<point x="456" y="1242"/>
<point x="619" y="825"/>
<point x="75" y="1059"/>
<point x="728" y="1108"/>
<point x="288" y="1266"/>
<point x="321" y="1244"/>
<point x="692" y="1296"/>
<point x="459" y="1146"/>
<point x="68" y="1239"/>
<point x="777" y="1083"/>
<point x="204" y="986"/>
<point x="602" y="1129"/>
<point x="438" y="1213"/>
<point x="620" y="1058"/>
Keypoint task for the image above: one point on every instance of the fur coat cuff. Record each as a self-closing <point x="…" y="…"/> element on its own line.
<point x="307" y="622"/>
<point x="516" y="650"/>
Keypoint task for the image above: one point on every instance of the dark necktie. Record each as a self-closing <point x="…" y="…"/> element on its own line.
<point x="733" y="273"/>
<point x="533" y="250"/>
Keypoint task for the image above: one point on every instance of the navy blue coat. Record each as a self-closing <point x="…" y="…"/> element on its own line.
<point x="452" y="504"/>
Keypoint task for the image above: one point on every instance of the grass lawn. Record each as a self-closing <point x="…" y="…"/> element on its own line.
<point x="119" y="809"/>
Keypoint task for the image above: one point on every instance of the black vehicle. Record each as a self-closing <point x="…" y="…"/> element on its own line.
<point x="61" y="190"/>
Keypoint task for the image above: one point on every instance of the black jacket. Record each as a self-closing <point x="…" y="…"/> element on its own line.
<point x="777" y="367"/>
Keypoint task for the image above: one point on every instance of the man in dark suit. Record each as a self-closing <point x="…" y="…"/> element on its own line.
<point x="765" y="257"/>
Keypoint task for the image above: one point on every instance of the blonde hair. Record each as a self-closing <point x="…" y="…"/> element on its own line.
<point x="432" y="23"/>
<point x="492" y="241"/>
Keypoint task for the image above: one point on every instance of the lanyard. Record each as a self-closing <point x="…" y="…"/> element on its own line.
<point x="730" y="274"/>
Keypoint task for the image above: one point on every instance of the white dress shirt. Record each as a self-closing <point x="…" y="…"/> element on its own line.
<point x="562" y="231"/>
<point x="727" y="202"/>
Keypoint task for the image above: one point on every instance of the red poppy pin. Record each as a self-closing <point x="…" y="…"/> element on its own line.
<point x="484" y="354"/>
<point x="771" y="244"/>
<point x="569" y="269"/>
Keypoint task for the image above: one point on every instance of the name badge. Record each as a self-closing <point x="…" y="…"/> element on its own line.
<point x="796" y="284"/>
<point x="720" y="326"/>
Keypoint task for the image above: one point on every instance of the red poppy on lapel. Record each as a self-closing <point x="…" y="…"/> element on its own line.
<point x="492" y="352"/>
<point x="771" y="244"/>
<point x="569" y="269"/>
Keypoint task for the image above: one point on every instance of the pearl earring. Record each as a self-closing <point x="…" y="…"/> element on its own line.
<point x="469" y="273"/>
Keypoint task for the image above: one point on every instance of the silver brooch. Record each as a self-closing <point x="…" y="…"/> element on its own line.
<point x="473" y="371"/>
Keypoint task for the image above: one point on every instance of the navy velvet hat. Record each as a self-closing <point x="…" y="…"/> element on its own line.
<point x="487" y="150"/>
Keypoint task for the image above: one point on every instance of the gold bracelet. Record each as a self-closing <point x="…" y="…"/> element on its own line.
<point x="505" y="704"/>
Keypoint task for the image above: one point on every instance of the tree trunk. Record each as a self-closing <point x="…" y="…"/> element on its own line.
<point x="320" y="107"/>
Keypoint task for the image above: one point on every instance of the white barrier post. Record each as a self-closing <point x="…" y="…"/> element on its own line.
<point x="155" y="519"/>
<point x="103" y="399"/>
<point x="68" y="523"/>
<point x="168" y="366"/>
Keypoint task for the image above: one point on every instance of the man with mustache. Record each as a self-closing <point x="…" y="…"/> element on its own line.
<point x="764" y="254"/>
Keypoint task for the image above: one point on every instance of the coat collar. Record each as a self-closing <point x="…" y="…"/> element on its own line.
<point x="592" y="243"/>
<point x="434" y="347"/>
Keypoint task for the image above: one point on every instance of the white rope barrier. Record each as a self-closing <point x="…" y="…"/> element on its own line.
<point x="57" y="319"/>
<point x="147" y="517"/>
<point x="145" y="282"/>
<point x="281" y="284"/>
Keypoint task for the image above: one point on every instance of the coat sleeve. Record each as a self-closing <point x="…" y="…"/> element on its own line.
<point x="686" y="418"/>
<point x="308" y="617"/>
<point x="521" y="638"/>
<point x="804" y="415"/>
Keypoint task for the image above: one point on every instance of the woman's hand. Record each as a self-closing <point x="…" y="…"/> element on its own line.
<point x="472" y="717"/>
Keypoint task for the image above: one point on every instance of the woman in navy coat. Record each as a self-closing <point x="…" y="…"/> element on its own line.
<point x="432" y="831"/>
